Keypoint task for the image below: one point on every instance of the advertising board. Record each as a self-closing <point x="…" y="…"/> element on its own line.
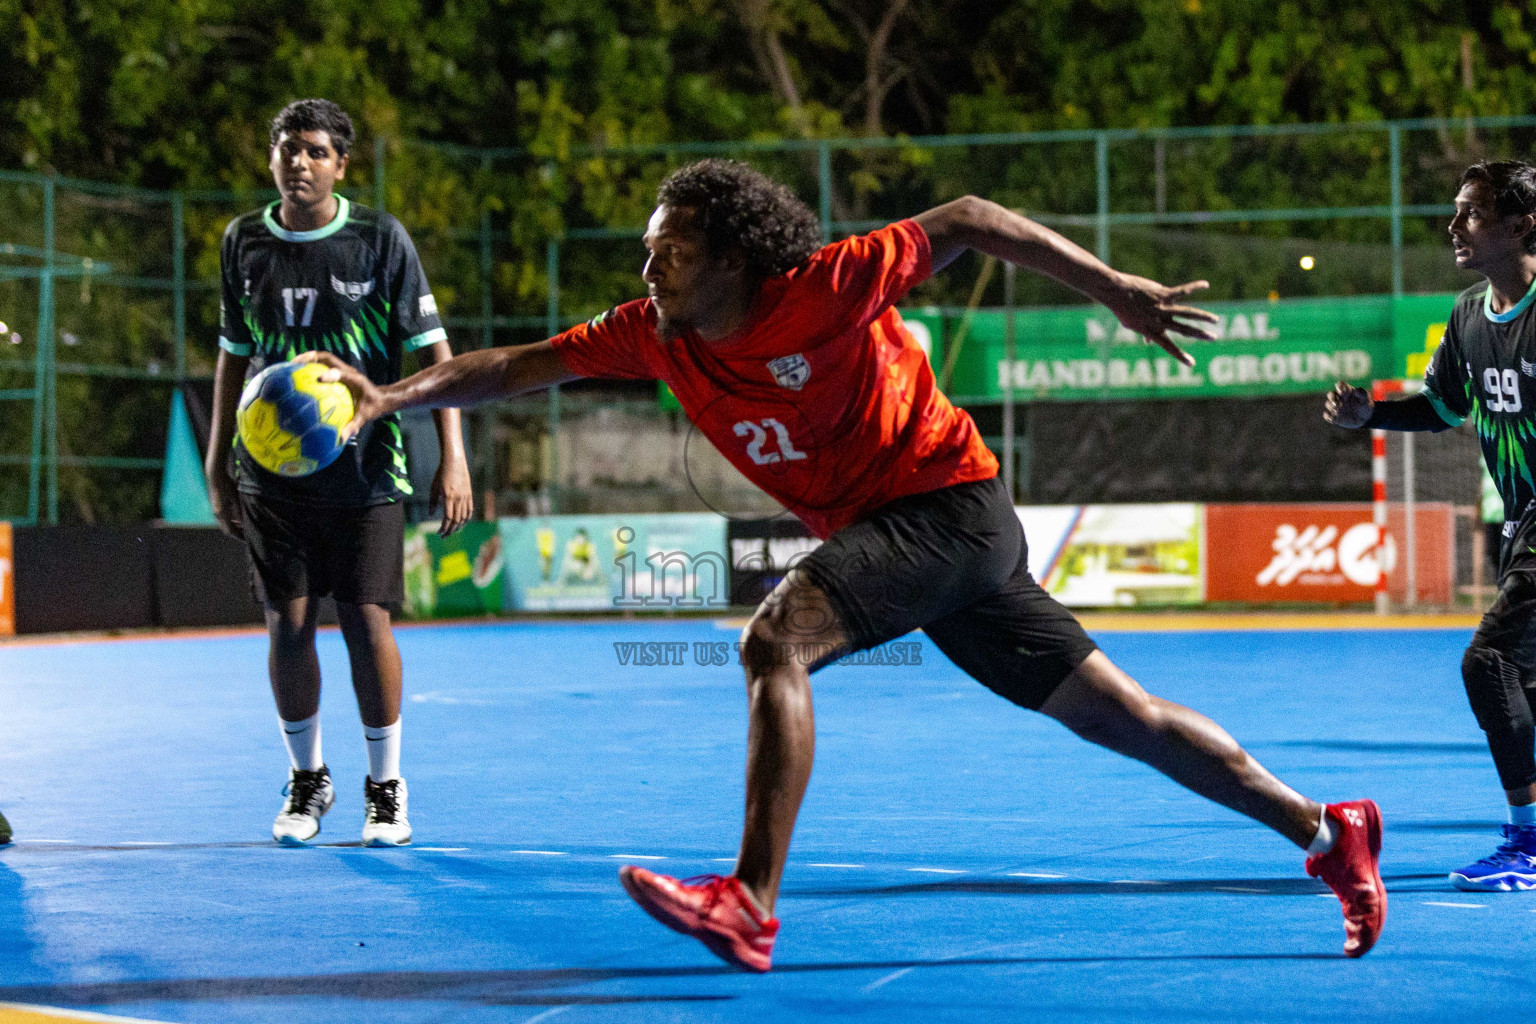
<point x="458" y="575"/>
<point x="597" y="563"/>
<point x="1287" y="346"/>
<point x="762" y="551"/>
<point x="1323" y="553"/>
<point x="1099" y="556"/>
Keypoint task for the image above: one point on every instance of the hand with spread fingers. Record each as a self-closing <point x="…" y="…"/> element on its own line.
<point x="367" y="399"/>
<point x="1153" y="310"/>
<point x="1348" y="406"/>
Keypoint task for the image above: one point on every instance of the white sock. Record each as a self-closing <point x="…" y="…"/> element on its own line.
<point x="1327" y="835"/>
<point x="383" y="752"/>
<point x="303" y="742"/>
<point x="1525" y="815"/>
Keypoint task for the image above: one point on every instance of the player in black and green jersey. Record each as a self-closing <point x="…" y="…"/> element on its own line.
<point x="1485" y="371"/>
<point x="313" y="272"/>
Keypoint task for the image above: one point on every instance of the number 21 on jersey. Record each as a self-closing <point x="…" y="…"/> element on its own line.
<point x="1504" y="387"/>
<point x="759" y="437"/>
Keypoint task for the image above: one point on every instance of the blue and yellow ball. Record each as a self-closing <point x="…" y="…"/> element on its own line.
<point x="290" y="420"/>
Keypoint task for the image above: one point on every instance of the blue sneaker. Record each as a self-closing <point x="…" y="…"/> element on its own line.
<point x="1509" y="868"/>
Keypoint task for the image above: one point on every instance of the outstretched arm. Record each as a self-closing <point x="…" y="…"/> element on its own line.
<point x="461" y="382"/>
<point x="1352" y="407"/>
<point x="1144" y="306"/>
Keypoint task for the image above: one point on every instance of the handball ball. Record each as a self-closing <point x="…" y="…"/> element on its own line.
<point x="290" y="420"/>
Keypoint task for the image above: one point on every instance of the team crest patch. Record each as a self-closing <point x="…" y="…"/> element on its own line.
<point x="790" y="371"/>
<point x="353" y="290"/>
<point x="1529" y="369"/>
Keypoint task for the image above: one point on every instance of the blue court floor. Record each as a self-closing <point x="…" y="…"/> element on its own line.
<point x="957" y="858"/>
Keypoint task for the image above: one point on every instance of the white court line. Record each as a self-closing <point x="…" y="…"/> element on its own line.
<point x="1136" y="881"/>
<point x="66" y="1015"/>
<point x="834" y="865"/>
<point x="887" y="979"/>
<point x="1033" y="874"/>
<point x="1469" y="906"/>
<point x="908" y="970"/>
<point x="542" y="853"/>
<point x="635" y="856"/>
<point x="547" y="1014"/>
<point x="722" y="860"/>
<point x="937" y="871"/>
<point x="1236" y="888"/>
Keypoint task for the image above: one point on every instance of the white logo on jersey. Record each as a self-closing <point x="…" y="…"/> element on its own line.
<point x="790" y="371"/>
<point x="1529" y="369"/>
<point x="353" y="290"/>
<point x="427" y="304"/>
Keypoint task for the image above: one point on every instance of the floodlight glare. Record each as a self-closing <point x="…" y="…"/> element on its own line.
<point x="1307" y="263"/>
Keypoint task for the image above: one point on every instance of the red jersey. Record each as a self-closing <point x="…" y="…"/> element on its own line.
<point x="822" y="398"/>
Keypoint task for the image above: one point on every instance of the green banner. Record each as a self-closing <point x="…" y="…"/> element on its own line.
<point x="452" y="576"/>
<point x="624" y="562"/>
<point x="1418" y="324"/>
<point x="1263" y="348"/>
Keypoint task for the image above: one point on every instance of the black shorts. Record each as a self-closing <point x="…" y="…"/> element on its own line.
<point x="953" y="562"/>
<point x="356" y="555"/>
<point x="1509" y="624"/>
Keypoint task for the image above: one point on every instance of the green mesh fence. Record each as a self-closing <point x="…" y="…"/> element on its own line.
<point x="109" y="294"/>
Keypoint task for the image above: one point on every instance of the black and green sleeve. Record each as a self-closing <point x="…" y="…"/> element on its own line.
<point x="234" y="332"/>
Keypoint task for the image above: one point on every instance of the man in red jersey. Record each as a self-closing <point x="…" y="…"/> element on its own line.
<point x="791" y="358"/>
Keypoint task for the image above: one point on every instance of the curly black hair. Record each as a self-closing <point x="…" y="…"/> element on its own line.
<point x="1514" y="189"/>
<point x="315" y="116"/>
<point x="741" y="207"/>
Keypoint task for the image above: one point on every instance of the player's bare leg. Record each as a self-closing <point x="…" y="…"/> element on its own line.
<point x="375" y="659"/>
<point x="292" y="665"/>
<point x="791" y="630"/>
<point x="295" y="674"/>
<point x="1104" y="705"/>
<point x="376" y="673"/>
<point x="787" y="634"/>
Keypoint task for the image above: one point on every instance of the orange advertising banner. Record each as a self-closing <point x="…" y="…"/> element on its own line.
<point x="7" y="583"/>
<point x="1324" y="553"/>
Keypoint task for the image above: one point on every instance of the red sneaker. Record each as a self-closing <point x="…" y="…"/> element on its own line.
<point x="712" y="908"/>
<point x="1352" y="872"/>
